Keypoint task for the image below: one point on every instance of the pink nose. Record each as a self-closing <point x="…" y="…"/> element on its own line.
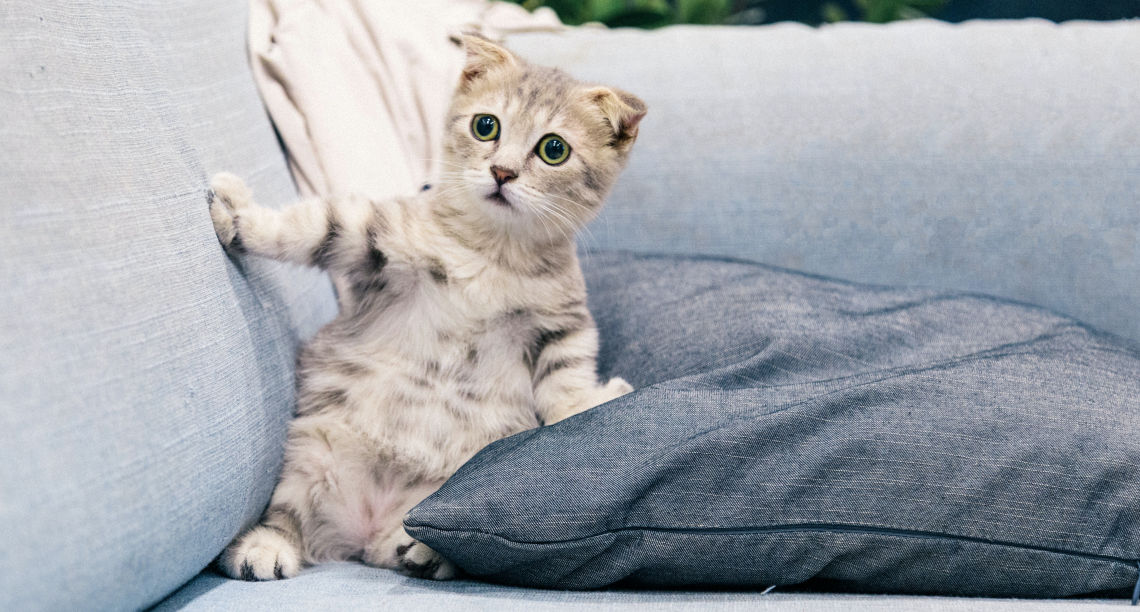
<point x="503" y="175"/>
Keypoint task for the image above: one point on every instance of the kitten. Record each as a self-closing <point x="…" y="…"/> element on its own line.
<point x="463" y="314"/>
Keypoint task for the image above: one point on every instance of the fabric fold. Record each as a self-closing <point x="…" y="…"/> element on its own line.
<point x="358" y="89"/>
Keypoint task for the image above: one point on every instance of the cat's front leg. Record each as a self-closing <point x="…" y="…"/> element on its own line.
<point x="569" y="402"/>
<point x="565" y="374"/>
<point x="340" y="234"/>
<point x="269" y="551"/>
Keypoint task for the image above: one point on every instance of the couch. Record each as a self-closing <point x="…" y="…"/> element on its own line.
<point x="146" y="377"/>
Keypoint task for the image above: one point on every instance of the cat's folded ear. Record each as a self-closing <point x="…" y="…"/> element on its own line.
<point x="482" y="56"/>
<point x="623" y="110"/>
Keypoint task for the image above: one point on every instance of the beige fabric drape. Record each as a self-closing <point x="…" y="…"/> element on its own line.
<point x="358" y="89"/>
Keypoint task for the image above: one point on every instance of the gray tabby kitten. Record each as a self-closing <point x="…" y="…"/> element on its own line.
<point x="463" y="314"/>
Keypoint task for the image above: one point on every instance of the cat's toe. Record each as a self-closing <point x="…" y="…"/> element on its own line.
<point x="617" y="387"/>
<point x="227" y="195"/>
<point x="420" y="561"/>
<point x="262" y="554"/>
<point x="224" y="225"/>
<point x="230" y="191"/>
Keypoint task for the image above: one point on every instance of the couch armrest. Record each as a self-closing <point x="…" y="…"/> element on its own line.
<point x="146" y="378"/>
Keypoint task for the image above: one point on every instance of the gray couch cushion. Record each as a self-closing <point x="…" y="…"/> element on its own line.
<point x="991" y="157"/>
<point x="145" y="381"/>
<point x="788" y="428"/>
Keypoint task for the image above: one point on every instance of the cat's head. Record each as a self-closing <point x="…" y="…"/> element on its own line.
<point x="528" y="147"/>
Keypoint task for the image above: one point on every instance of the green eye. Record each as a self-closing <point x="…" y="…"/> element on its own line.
<point x="485" y="127"/>
<point x="552" y="149"/>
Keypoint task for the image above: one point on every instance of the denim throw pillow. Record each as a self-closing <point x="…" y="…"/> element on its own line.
<point x="789" y="428"/>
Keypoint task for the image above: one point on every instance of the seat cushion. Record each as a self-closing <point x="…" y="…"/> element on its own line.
<point x="351" y="586"/>
<point x="146" y="380"/>
<point x="789" y="428"/>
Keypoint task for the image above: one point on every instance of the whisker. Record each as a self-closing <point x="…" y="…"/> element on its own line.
<point x="563" y="222"/>
<point x="542" y="219"/>
<point x="561" y="212"/>
<point x="586" y="232"/>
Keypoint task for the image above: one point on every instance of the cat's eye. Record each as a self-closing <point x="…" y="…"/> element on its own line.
<point x="485" y="127"/>
<point x="552" y="149"/>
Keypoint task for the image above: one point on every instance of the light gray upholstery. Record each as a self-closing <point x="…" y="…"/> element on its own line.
<point x="145" y="380"/>
<point x="350" y="586"/>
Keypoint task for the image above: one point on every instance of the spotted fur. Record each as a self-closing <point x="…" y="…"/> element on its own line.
<point x="463" y="318"/>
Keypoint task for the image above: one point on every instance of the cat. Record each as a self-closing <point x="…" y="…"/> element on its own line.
<point x="462" y="318"/>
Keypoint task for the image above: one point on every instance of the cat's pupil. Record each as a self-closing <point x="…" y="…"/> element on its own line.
<point x="554" y="148"/>
<point x="485" y="126"/>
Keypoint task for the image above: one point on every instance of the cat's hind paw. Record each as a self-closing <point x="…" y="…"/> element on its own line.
<point x="228" y="195"/>
<point x="419" y="561"/>
<point x="261" y="554"/>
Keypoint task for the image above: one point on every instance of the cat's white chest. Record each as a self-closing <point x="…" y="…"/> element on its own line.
<point x="448" y="362"/>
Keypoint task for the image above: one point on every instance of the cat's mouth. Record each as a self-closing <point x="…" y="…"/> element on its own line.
<point x="498" y="198"/>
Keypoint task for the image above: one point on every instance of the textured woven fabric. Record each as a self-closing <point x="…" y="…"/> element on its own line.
<point x="145" y="380"/>
<point x="788" y="428"/>
<point x="350" y="586"/>
<point x="998" y="157"/>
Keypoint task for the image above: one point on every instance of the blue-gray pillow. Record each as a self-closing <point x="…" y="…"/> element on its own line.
<point x="789" y="428"/>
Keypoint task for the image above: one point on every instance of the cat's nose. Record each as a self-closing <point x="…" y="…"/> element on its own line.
<point x="503" y="175"/>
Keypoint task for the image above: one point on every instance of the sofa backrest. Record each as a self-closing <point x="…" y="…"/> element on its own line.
<point x="145" y="379"/>
<point x="997" y="157"/>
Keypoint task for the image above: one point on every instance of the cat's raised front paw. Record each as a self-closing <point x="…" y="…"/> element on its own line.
<point x="262" y="554"/>
<point x="227" y="197"/>
<point x="419" y="561"/>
